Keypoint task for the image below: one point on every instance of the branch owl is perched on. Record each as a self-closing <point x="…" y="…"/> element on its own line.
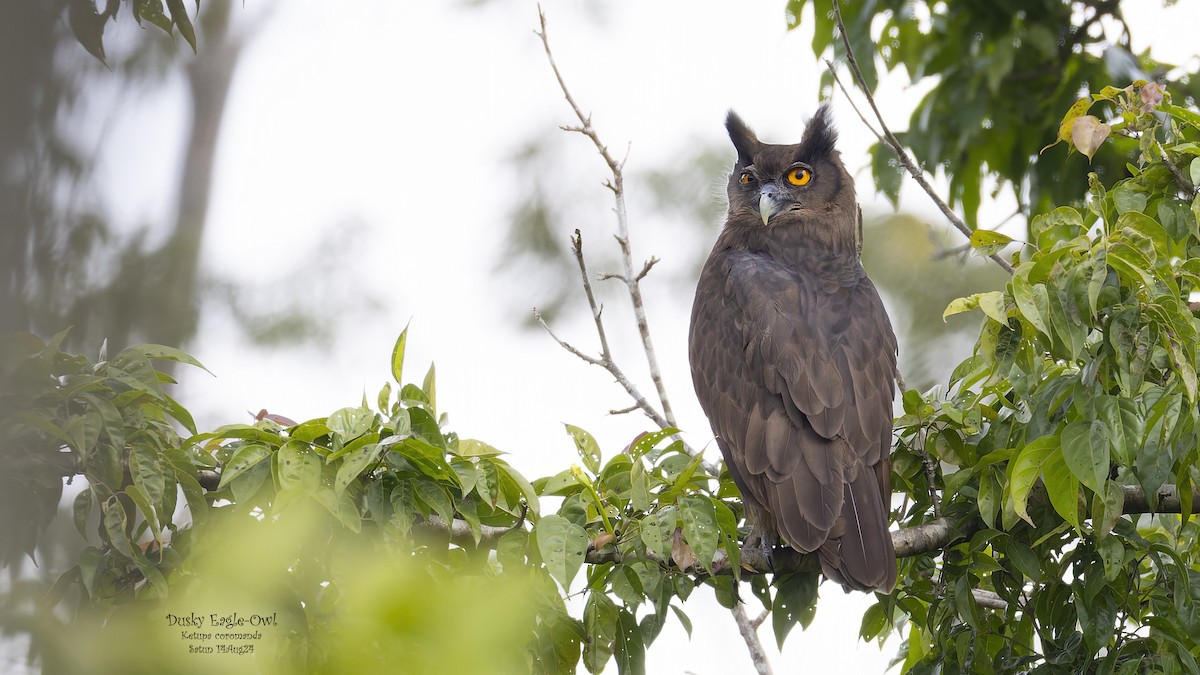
<point x="793" y="358"/>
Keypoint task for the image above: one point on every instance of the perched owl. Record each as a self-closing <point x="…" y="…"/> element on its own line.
<point x="793" y="358"/>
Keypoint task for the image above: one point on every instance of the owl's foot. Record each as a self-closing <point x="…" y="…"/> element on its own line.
<point x="765" y="542"/>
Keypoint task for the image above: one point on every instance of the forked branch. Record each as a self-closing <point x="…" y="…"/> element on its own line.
<point x="617" y="185"/>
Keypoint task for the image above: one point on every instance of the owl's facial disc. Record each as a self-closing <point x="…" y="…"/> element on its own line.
<point x="772" y="200"/>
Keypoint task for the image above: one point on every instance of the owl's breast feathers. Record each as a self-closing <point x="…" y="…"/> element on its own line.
<point x="793" y="359"/>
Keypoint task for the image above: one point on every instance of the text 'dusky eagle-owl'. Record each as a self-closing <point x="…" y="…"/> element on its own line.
<point x="793" y="357"/>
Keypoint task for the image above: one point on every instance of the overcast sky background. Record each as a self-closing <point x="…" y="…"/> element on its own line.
<point x="390" y="124"/>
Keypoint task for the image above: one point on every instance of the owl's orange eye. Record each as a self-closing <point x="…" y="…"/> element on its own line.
<point x="799" y="176"/>
<point x="744" y="178"/>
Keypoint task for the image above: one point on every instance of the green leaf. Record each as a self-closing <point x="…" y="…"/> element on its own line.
<point x="350" y="423"/>
<point x="114" y="527"/>
<point x="1025" y="560"/>
<point x="600" y="619"/>
<point x="683" y="620"/>
<point x="469" y="447"/>
<point x="1086" y="451"/>
<point x="1112" y="554"/>
<point x="586" y="446"/>
<point x="700" y="527"/>
<point x="645" y="443"/>
<point x="488" y="482"/>
<point x="658" y="530"/>
<point x="1184" y="115"/>
<point x="1062" y="224"/>
<point x="398" y="357"/>
<point x="436" y="498"/>
<point x="429" y="386"/>
<point x="143" y="503"/>
<point x="1107" y="507"/>
<point x="629" y="648"/>
<point x="82" y="510"/>
<point x="1033" y="301"/>
<point x="1062" y="487"/>
<point x="342" y="507"/>
<point x="164" y="353"/>
<point x="1125" y="425"/>
<point x="992" y="304"/>
<point x="989" y="497"/>
<point x="148" y="473"/>
<point x="987" y="242"/>
<point x="1194" y="170"/>
<point x="180" y="17"/>
<point x="795" y="602"/>
<point x="1025" y="471"/>
<point x="353" y="464"/>
<point x="639" y="486"/>
<point x="298" y="467"/>
<point x="562" y="545"/>
<point x="245" y="458"/>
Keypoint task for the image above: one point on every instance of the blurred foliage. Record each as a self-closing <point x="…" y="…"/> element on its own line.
<point x="978" y="54"/>
<point x="337" y="529"/>
<point x="919" y="270"/>
<point x="66" y="260"/>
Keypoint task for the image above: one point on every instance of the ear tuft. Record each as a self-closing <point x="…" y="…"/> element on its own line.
<point x="744" y="140"/>
<point x="819" y="136"/>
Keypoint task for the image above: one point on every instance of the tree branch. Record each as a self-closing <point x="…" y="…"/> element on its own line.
<point x="617" y="185"/>
<point x="749" y="629"/>
<point x="889" y="139"/>
<point x="605" y="359"/>
<point x="922" y="539"/>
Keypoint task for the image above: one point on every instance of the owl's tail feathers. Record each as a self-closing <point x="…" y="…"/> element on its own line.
<point x="858" y="553"/>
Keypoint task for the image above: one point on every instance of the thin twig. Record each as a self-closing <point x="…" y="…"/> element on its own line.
<point x="889" y="139"/>
<point x="617" y="185"/>
<point x="758" y="620"/>
<point x="1181" y="180"/>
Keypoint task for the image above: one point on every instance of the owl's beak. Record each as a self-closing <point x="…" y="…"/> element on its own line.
<point x="768" y="203"/>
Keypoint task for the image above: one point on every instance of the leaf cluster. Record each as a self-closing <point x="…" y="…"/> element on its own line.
<point x="977" y="55"/>
<point x="1082" y="390"/>
<point x="87" y="21"/>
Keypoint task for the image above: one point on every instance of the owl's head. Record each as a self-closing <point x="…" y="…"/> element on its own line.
<point x="778" y="185"/>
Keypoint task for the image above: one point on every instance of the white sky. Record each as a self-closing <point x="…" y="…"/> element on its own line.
<point x="400" y="115"/>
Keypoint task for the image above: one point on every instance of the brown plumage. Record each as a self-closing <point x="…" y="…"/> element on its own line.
<point x="793" y="357"/>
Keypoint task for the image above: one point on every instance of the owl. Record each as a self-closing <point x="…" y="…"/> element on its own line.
<point x="794" y="359"/>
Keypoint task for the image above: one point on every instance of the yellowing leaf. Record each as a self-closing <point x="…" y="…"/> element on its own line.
<point x="1077" y="110"/>
<point x="1088" y="133"/>
<point x="987" y="242"/>
<point x="960" y="305"/>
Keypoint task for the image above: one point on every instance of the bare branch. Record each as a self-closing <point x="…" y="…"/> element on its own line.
<point x="623" y="411"/>
<point x="749" y="630"/>
<point x="605" y="359"/>
<point x="616" y="184"/>
<point x="890" y="140"/>
<point x="646" y="269"/>
<point x="537" y="316"/>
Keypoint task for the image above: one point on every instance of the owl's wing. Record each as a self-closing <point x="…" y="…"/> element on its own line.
<point x="796" y="371"/>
